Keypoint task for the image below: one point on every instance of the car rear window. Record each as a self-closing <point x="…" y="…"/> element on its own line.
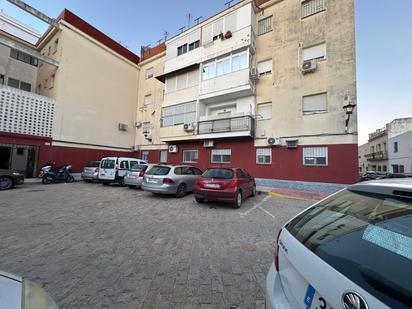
<point x="367" y="238"/>
<point x="93" y="164"/>
<point x="107" y="163"/>
<point x="137" y="167"/>
<point x="218" y="173"/>
<point x="158" y="171"/>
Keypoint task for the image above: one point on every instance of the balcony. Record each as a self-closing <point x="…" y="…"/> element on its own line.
<point x="377" y="156"/>
<point x="227" y="127"/>
<point x="378" y="133"/>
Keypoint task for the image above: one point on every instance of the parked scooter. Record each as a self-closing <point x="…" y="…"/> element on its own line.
<point x="45" y="168"/>
<point x="61" y="174"/>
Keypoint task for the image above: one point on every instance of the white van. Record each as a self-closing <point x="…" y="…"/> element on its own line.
<point x="113" y="169"/>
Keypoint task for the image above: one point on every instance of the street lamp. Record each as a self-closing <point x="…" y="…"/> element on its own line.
<point x="349" y="111"/>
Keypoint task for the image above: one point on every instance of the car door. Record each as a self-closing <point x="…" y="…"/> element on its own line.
<point x="123" y="168"/>
<point x="193" y="173"/>
<point x="250" y="181"/>
<point x="243" y="182"/>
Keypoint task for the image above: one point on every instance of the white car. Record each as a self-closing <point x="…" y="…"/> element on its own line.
<point x="19" y="293"/>
<point x="352" y="250"/>
<point x="113" y="169"/>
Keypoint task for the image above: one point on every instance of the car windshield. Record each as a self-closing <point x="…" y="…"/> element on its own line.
<point x="158" y="171"/>
<point x="107" y="163"/>
<point x="137" y="167"/>
<point x="218" y="173"/>
<point x="93" y="164"/>
<point x="349" y="228"/>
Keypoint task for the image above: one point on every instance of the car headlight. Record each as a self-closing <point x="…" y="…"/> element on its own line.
<point x="36" y="297"/>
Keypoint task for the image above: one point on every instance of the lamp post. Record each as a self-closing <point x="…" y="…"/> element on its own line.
<point x="349" y="111"/>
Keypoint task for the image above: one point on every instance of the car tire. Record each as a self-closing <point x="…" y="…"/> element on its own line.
<point x="6" y="183"/>
<point x="132" y="187"/>
<point x="121" y="182"/>
<point x="253" y="191"/>
<point x="106" y="183"/>
<point x="181" y="190"/>
<point x="238" y="202"/>
<point x="87" y="180"/>
<point x="199" y="200"/>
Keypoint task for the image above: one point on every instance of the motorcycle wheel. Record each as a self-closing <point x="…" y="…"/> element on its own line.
<point x="70" y="179"/>
<point x="46" y="180"/>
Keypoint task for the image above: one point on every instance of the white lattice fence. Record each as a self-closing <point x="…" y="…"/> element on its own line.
<point x="25" y="112"/>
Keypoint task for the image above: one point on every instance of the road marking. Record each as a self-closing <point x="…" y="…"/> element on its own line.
<point x="288" y="197"/>
<point x="267" y="212"/>
<point x="256" y="206"/>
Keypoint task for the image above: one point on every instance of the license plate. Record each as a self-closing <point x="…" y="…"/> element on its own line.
<point x="152" y="180"/>
<point x="212" y="186"/>
<point x="313" y="300"/>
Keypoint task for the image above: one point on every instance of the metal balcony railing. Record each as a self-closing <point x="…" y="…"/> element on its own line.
<point x="232" y="124"/>
<point x="377" y="156"/>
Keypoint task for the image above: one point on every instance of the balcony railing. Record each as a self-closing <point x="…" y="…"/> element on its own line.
<point x="377" y="156"/>
<point x="232" y="124"/>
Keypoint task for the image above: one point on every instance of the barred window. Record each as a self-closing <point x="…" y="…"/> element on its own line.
<point x="190" y="156"/>
<point x="163" y="156"/>
<point x="179" y="114"/>
<point x="263" y="156"/>
<point x="145" y="155"/>
<point x="315" y="156"/>
<point x="221" y="155"/>
<point x="21" y="56"/>
<point x="265" y="25"/>
<point x="311" y="7"/>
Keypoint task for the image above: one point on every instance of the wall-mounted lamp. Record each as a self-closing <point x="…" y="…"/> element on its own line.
<point x="349" y="111"/>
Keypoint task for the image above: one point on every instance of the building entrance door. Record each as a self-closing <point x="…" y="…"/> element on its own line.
<point x="21" y="158"/>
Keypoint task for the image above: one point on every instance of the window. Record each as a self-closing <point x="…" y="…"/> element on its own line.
<point x="179" y="114"/>
<point x="20" y="151"/>
<point x="311" y="7"/>
<point x="240" y="61"/>
<point x="145" y="155"/>
<point x="316" y="52"/>
<point x="146" y="127"/>
<point x="18" y="55"/>
<point x="384" y="168"/>
<point x="221" y="155"/>
<point x="190" y="156"/>
<point x="52" y="81"/>
<point x="265" y="67"/>
<point x="194" y="45"/>
<point x="163" y="156"/>
<point x="15" y="83"/>
<point x="124" y="165"/>
<point x="147" y="99"/>
<point x="223" y="66"/>
<point x="2" y="78"/>
<point x="182" y="49"/>
<point x="209" y="71"/>
<point x="107" y="164"/>
<point x="158" y="170"/>
<point x="401" y="169"/>
<point x="265" y="25"/>
<point x="264" y="156"/>
<point x="226" y="65"/>
<point x="212" y="31"/>
<point x="315" y="103"/>
<point x="25" y="86"/>
<point x="395" y="147"/>
<point x="196" y="171"/>
<point x="264" y="111"/>
<point x="182" y="81"/>
<point x="315" y="156"/>
<point x="149" y="73"/>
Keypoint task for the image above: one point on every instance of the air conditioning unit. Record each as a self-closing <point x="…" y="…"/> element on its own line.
<point x="254" y="73"/>
<point x="292" y="143"/>
<point x="309" y="66"/>
<point x="208" y="143"/>
<point x="189" y="127"/>
<point x="173" y="148"/>
<point x="274" y="141"/>
<point x="122" y="127"/>
<point x="135" y="148"/>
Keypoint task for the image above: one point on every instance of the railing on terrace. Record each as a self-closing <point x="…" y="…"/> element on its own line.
<point x="377" y="156"/>
<point x="232" y="124"/>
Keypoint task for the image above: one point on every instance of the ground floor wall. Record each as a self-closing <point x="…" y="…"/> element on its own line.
<point x="287" y="164"/>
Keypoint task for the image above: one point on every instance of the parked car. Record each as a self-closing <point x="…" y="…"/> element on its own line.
<point x="19" y="293"/>
<point x="10" y="178"/>
<point x="171" y="179"/>
<point x="134" y="177"/>
<point x="113" y="169"/>
<point x="91" y="171"/>
<point x="350" y="250"/>
<point x="371" y="175"/>
<point x="230" y="185"/>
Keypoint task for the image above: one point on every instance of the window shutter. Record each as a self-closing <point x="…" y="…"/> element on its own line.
<point x="181" y="81"/>
<point x="217" y="27"/>
<point x="314" y="52"/>
<point x="230" y="22"/>
<point x="315" y="103"/>
<point x="193" y="78"/>
<point x="207" y="34"/>
<point x="226" y="152"/>
<point x="265" y="66"/>
<point x="194" y="36"/>
<point x="265" y="111"/>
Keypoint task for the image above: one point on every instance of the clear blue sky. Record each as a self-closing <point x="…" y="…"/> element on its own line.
<point x="383" y="35"/>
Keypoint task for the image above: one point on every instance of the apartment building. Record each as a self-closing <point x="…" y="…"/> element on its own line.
<point x="77" y="96"/>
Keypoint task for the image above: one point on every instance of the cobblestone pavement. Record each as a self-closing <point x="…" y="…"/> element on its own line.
<point x="92" y="246"/>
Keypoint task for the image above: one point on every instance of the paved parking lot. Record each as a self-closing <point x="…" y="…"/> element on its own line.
<point x="92" y="246"/>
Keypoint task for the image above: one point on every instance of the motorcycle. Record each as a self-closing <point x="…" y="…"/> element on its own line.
<point x="61" y="174"/>
<point x="45" y="168"/>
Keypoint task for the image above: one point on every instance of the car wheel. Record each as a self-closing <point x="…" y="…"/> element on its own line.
<point x="132" y="187"/>
<point x="181" y="190"/>
<point x="6" y="183"/>
<point x="121" y="182"/>
<point x="238" y="202"/>
<point x="87" y="180"/>
<point x="46" y="180"/>
<point x="106" y="183"/>
<point x="254" y="191"/>
<point x="199" y="200"/>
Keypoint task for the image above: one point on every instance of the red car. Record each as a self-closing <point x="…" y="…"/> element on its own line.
<point x="224" y="185"/>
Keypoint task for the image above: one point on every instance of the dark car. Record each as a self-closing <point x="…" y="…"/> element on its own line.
<point x="10" y="178"/>
<point x="230" y="185"/>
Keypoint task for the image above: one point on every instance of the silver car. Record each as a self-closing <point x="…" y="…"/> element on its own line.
<point x="171" y="179"/>
<point x="134" y="176"/>
<point x="91" y="171"/>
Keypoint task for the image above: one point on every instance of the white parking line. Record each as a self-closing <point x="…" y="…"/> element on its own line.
<point x="267" y="212"/>
<point x="254" y="207"/>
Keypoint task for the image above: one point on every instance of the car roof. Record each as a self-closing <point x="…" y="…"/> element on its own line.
<point x="392" y="186"/>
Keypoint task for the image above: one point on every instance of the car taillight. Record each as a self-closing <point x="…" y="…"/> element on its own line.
<point x="96" y="170"/>
<point x="141" y="174"/>
<point x="167" y="180"/>
<point x="276" y="259"/>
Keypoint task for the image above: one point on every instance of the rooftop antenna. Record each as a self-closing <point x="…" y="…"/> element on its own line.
<point x="229" y="3"/>
<point x="197" y="20"/>
<point x="159" y="41"/>
<point x="165" y="35"/>
<point x="189" y="19"/>
<point x="181" y="29"/>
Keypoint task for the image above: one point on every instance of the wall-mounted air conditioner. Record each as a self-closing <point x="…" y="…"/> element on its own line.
<point x="173" y="148"/>
<point x="309" y="66"/>
<point x="208" y="143"/>
<point x="274" y="141"/>
<point x="254" y="74"/>
<point x="189" y="127"/>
